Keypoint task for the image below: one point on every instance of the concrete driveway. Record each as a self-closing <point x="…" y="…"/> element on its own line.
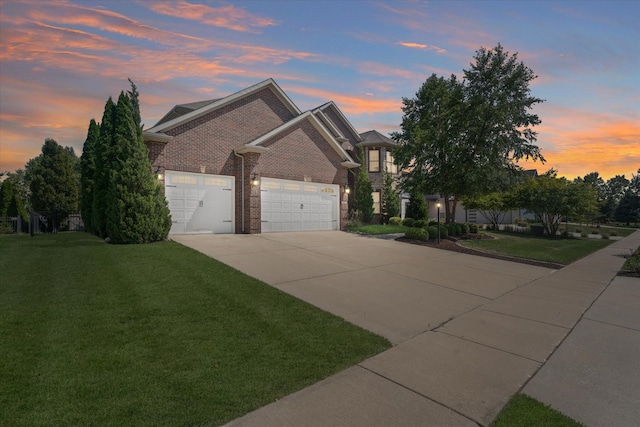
<point x="468" y="331"/>
<point x="394" y="289"/>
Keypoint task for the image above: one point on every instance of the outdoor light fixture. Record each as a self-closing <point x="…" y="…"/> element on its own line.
<point x="159" y="173"/>
<point x="254" y="179"/>
<point x="438" y="206"/>
<point x="347" y="190"/>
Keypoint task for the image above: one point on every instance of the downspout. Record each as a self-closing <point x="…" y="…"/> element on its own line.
<point x="242" y="195"/>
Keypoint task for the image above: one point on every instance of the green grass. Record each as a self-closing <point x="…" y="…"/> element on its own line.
<point x="524" y="411"/>
<point x="98" y="334"/>
<point x="379" y="229"/>
<point x="633" y="262"/>
<point x="617" y="231"/>
<point x="561" y="251"/>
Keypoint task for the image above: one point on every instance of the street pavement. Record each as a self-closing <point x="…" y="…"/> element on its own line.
<point x="468" y="331"/>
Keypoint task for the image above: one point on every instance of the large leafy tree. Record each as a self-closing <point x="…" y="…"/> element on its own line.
<point x="615" y="188"/>
<point x="465" y="138"/>
<point x="55" y="179"/>
<point x="551" y="199"/>
<point x="628" y="209"/>
<point x="431" y="144"/>
<point x="595" y="181"/>
<point x="88" y="172"/>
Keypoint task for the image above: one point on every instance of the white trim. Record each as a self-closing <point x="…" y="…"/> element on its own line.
<point x="315" y="122"/>
<point x="342" y="117"/>
<point x="226" y="101"/>
<point x="156" y="137"/>
<point x="328" y="123"/>
<point x="251" y="149"/>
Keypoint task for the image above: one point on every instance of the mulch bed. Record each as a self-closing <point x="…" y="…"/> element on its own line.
<point x="451" y="244"/>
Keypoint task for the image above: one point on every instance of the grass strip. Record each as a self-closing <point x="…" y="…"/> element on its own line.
<point x="525" y="411"/>
<point x="558" y="250"/>
<point x="159" y="334"/>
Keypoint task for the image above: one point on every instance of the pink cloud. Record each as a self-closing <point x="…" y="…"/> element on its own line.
<point x="229" y="16"/>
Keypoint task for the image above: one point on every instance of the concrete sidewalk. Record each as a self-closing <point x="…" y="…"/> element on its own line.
<point x="469" y="331"/>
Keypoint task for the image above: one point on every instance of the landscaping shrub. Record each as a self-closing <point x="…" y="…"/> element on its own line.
<point x="613" y="233"/>
<point x="408" y="222"/>
<point x="417" y="234"/>
<point x="595" y="232"/>
<point x="521" y="222"/>
<point x="464" y="228"/>
<point x="473" y="228"/>
<point x="433" y="232"/>
<point x="537" y="229"/>
<point x="421" y="223"/>
<point x="395" y="220"/>
<point x="444" y="232"/>
<point x="433" y="222"/>
<point x="605" y="236"/>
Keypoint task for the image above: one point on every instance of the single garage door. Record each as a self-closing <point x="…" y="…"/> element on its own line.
<point x="299" y="206"/>
<point x="200" y="203"/>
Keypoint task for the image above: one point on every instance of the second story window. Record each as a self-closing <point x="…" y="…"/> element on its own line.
<point x="374" y="160"/>
<point x="390" y="166"/>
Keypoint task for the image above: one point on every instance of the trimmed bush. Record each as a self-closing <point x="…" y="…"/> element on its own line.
<point x="421" y="223"/>
<point x="417" y="234"/>
<point x="444" y="232"/>
<point x="395" y="220"/>
<point x="433" y="222"/>
<point x="464" y="228"/>
<point x="473" y="228"/>
<point x="433" y="232"/>
<point x="408" y="222"/>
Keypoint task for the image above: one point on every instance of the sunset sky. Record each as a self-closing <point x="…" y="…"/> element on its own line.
<point x="61" y="60"/>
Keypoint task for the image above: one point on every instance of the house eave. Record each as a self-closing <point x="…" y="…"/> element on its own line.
<point x="156" y="137"/>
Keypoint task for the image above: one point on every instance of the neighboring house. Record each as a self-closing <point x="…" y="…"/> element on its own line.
<point x="253" y="162"/>
<point x="378" y="159"/>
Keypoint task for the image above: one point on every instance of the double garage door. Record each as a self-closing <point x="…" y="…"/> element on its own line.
<point x="203" y="203"/>
<point x="298" y="206"/>
<point x="200" y="203"/>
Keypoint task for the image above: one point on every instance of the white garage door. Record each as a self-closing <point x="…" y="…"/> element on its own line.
<point x="299" y="206"/>
<point x="200" y="203"/>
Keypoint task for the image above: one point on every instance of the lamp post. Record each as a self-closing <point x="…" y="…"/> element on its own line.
<point x="438" y="206"/>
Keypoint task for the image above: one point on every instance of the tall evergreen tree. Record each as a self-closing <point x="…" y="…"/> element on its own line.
<point x="417" y="207"/>
<point x="55" y="179"/>
<point x="363" y="200"/>
<point x="103" y="155"/>
<point x="389" y="201"/>
<point x="87" y="174"/>
<point x="137" y="211"/>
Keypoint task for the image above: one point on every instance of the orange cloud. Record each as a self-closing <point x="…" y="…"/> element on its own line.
<point x="422" y="46"/>
<point x="577" y="142"/>
<point x="229" y="17"/>
<point x="350" y="104"/>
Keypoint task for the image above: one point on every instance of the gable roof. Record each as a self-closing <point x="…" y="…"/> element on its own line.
<point x="332" y="105"/>
<point x="182" y="109"/>
<point x="178" y="119"/>
<point x="256" y="145"/>
<point x="374" y="138"/>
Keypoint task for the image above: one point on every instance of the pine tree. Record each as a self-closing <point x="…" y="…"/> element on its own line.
<point x="363" y="200"/>
<point x="87" y="174"/>
<point x="417" y="206"/>
<point x="54" y="179"/>
<point x="389" y="202"/>
<point x="137" y="212"/>
<point x="103" y="154"/>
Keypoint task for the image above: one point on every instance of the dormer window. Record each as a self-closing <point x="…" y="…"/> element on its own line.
<point x="374" y="160"/>
<point x="390" y="166"/>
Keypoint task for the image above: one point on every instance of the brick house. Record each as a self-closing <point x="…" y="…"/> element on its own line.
<point x="253" y="162"/>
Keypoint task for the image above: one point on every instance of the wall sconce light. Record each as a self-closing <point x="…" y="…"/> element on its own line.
<point x="159" y="173"/>
<point x="254" y="179"/>
<point x="347" y="190"/>
<point x="203" y="168"/>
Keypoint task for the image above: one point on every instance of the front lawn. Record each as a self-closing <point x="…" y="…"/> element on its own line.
<point x="99" y="334"/>
<point x="558" y="250"/>
<point x="379" y="229"/>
